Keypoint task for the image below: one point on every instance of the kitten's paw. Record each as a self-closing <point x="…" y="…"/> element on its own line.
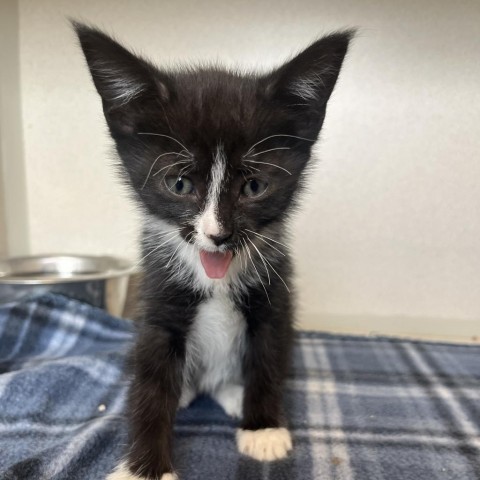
<point x="266" y="444"/>
<point x="123" y="473"/>
<point x="230" y="399"/>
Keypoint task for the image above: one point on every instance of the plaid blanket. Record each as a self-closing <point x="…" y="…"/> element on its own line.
<point x="359" y="408"/>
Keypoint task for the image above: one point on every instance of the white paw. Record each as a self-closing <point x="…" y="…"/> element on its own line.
<point x="123" y="473"/>
<point x="266" y="444"/>
<point x="230" y="399"/>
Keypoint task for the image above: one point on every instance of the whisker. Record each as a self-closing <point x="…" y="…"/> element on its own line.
<point x="268" y="238"/>
<point x="185" y="170"/>
<point x="270" y="150"/>
<point x="261" y="257"/>
<point x="251" y="169"/>
<point x="170" y="166"/>
<point x="244" y="177"/>
<point x="239" y="253"/>
<point x="175" y="251"/>
<point x="258" y="275"/>
<point x="193" y="255"/>
<point x="245" y="258"/>
<point x="277" y="135"/>
<point x="266" y="163"/>
<point x="166" y="136"/>
<point x="172" y="235"/>
<point x="270" y="245"/>
<point x="278" y="275"/>
<point x="171" y="256"/>
<point x="155" y="161"/>
<point x="156" y="236"/>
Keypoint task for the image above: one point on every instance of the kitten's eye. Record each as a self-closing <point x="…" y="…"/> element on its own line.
<point x="254" y="187"/>
<point x="179" y="185"/>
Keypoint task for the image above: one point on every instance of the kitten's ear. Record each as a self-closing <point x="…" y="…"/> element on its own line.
<point x="304" y="84"/>
<point x="129" y="86"/>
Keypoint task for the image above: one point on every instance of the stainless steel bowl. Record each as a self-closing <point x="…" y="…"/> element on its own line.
<point x="100" y="281"/>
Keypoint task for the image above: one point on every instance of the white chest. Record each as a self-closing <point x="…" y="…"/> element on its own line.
<point x="215" y="345"/>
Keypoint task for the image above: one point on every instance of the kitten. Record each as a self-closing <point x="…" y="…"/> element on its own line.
<point x="216" y="159"/>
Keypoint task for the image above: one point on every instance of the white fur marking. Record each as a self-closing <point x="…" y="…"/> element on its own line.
<point x="217" y="175"/>
<point x="187" y="396"/>
<point x="215" y="344"/>
<point x="266" y="444"/>
<point x="208" y="223"/>
<point x="230" y="399"/>
<point x="123" y="473"/>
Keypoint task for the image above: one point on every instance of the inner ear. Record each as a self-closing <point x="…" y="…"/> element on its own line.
<point x="127" y="116"/>
<point x="163" y="90"/>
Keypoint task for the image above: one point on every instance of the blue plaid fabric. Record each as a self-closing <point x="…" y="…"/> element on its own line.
<point x="359" y="408"/>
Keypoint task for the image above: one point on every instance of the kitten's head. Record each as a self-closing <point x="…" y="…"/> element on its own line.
<point x="216" y="154"/>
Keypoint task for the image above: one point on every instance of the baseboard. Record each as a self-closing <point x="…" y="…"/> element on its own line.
<point x="442" y="329"/>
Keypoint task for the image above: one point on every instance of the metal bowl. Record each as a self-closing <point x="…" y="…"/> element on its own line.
<point x="100" y="281"/>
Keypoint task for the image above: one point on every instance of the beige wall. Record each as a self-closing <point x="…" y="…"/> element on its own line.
<point x="14" y="235"/>
<point x="3" y="227"/>
<point x="391" y="225"/>
<point x="3" y="220"/>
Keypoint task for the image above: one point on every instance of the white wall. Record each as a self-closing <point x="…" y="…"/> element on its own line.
<point x="391" y="227"/>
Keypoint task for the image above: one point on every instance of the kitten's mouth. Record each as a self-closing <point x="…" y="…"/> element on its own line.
<point x="215" y="264"/>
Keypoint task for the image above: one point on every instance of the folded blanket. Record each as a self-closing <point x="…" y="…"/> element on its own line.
<point x="359" y="408"/>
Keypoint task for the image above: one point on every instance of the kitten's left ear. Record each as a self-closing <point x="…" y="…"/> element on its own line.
<point x="304" y="84"/>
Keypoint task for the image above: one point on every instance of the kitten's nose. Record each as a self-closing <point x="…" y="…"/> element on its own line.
<point x="220" y="238"/>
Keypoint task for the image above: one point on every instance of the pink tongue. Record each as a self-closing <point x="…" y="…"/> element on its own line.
<point x="215" y="263"/>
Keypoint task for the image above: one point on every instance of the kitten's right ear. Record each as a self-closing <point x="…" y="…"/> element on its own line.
<point x="129" y="85"/>
<point x="304" y="84"/>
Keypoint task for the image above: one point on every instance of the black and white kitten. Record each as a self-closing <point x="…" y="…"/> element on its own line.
<point x="216" y="159"/>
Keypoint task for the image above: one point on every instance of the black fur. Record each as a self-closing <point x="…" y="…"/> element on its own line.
<point x="151" y="111"/>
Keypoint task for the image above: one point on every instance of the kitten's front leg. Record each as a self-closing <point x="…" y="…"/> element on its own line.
<point x="263" y="434"/>
<point x="153" y="400"/>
